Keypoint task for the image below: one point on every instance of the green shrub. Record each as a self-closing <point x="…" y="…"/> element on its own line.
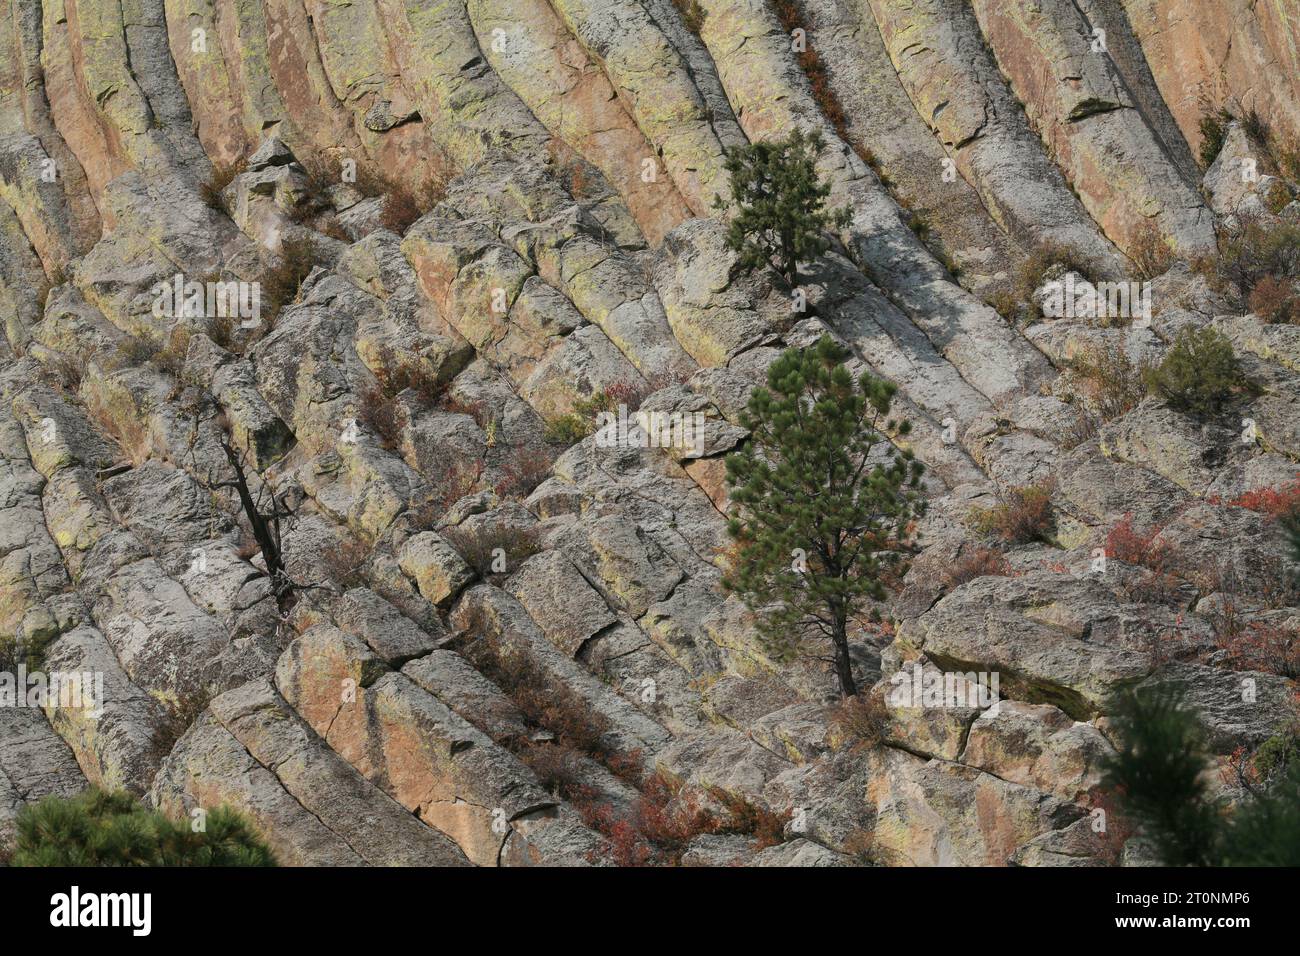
<point x="1199" y="375"/>
<point x="1214" y="130"/>
<point x="574" y="427"/>
<point x="29" y="652"/>
<point x="1278" y="753"/>
<point x="567" y="430"/>
<point x="102" y="828"/>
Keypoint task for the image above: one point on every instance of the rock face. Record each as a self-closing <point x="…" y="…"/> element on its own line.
<point x="420" y="246"/>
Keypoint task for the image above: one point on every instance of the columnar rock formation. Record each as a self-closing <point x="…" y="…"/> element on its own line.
<point x="411" y="398"/>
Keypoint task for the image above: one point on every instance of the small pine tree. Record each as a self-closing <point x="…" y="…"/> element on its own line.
<point x="1199" y="374"/>
<point x="102" y="828"/>
<point x="1158" y="775"/>
<point x="822" y="519"/>
<point x="781" y="215"/>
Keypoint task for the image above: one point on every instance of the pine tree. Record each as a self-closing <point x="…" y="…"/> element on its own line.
<point x="1158" y="775"/>
<point x="826" y="507"/>
<point x="781" y="216"/>
<point x="102" y="828"/>
<point x="1199" y="374"/>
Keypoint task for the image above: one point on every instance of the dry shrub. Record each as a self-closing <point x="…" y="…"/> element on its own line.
<point x="171" y="357"/>
<point x="545" y="702"/>
<point x="212" y="188"/>
<point x="398" y="373"/>
<point x="283" y="278"/>
<point x="522" y="471"/>
<point x="64" y="372"/>
<point x="1150" y="253"/>
<point x="859" y="721"/>
<point x="382" y="415"/>
<point x="221" y="330"/>
<point x="790" y="13"/>
<point x="135" y="351"/>
<point x="345" y="564"/>
<point x="1276" y="503"/>
<point x="1043" y="259"/>
<point x="131" y="432"/>
<point x="692" y="14"/>
<point x="1271" y="582"/>
<point x="976" y="563"/>
<point x="404" y="204"/>
<point x="1288" y="163"/>
<point x="1276" y="300"/>
<point x="483" y="546"/>
<point x="580" y="178"/>
<point x="1257" y="645"/>
<point x="667" y="817"/>
<point x="1125" y="543"/>
<point x="461" y="478"/>
<point x="1254" y="250"/>
<point x="1113" y="383"/>
<point x="559" y="770"/>
<point x="1024" y="515"/>
<point x="860" y="843"/>
<point x="1007" y="304"/>
<point x="477" y="410"/>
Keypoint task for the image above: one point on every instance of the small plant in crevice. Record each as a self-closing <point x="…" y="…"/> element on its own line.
<point x="382" y="415"/>
<point x="521" y="471"/>
<point x="576" y="425"/>
<point x="974" y="563"/>
<point x="494" y="550"/>
<point x="1213" y="128"/>
<point x="668" y="816"/>
<point x="858" y="722"/>
<point x="1249" y="251"/>
<point x="1024" y="515"/>
<point x="1112" y="382"/>
<point x="282" y="280"/>
<point x="1276" y="301"/>
<point x="213" y="188"/>
<point x="399" y="373"/>
<point x="1150" y="253"/>
<point x="1043" y="260"/>
<point x="692" y="13"/>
